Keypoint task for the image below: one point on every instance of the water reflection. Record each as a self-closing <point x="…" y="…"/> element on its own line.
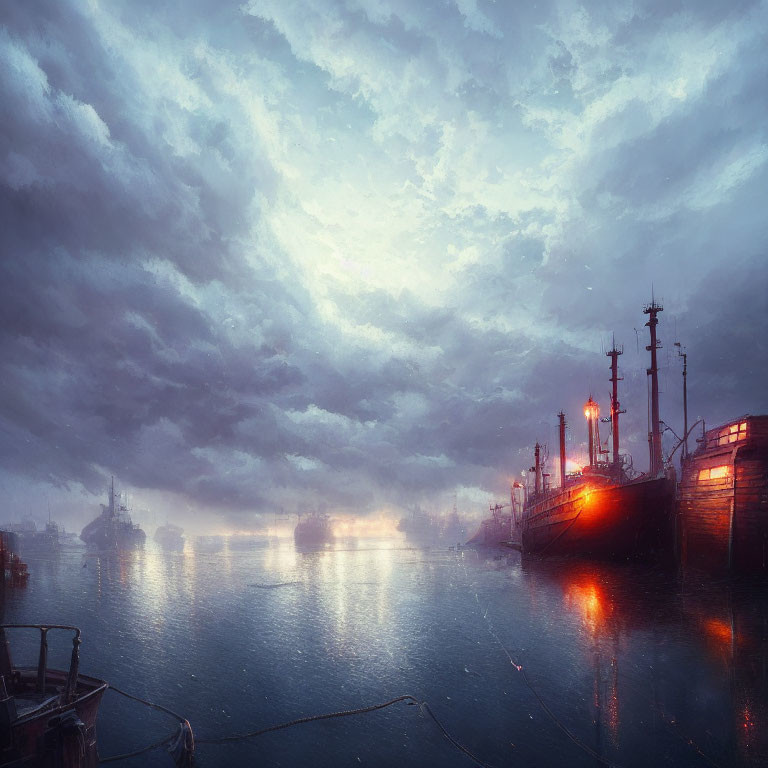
<point x="644" y="666"/>
<point x="719" y="623"/>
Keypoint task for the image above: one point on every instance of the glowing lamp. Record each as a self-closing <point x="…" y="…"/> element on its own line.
<point x="591" y="410"/>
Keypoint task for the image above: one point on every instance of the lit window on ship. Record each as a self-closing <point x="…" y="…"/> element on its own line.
<point x="714" y="473"/>
<point x="729" y="434"/>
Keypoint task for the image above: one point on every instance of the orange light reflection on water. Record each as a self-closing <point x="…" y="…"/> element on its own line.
<point x="587" y="597"/>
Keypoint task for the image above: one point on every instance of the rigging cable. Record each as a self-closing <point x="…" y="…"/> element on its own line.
<point x="552" y="716"/>
<point x="412" y="700"/>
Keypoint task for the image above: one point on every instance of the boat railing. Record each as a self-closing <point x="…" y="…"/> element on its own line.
<point x="6" y="664"/>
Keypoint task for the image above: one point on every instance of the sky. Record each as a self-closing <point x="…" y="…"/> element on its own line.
<point x="272" y="254"/>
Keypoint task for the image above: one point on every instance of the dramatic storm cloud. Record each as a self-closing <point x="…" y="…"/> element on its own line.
<point x="360" y="253"/>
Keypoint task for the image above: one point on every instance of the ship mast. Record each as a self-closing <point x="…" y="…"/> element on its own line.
<point x="684" y="355"/>
<point x="561" y="416"/>
<point x="615" y="406"/>
<point x="591" y="413"/>
<point x="537" y="468"/>
<point x="654" y="437"/>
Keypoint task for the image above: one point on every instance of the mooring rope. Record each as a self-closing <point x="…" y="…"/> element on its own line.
<point x="308" y="719"/>
<point x="143" y="750"/>
<point x="159" y="707"/>
<point x="552" y="716"/>
<point x="412" y="700"/>
<point x="422" y="705"/>
<point x="162" y="742"/>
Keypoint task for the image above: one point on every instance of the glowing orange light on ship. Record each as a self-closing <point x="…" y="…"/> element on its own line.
<point x="591" y="410"/>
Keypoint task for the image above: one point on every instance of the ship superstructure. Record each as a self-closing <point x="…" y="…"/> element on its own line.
<point x="113" y="529"/>
<point x="723" y="498"/>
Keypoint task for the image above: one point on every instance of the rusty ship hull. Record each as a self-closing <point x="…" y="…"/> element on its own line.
<point x="610" y="521"/>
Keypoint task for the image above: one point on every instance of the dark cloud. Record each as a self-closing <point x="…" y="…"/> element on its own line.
<point x="185" y="194"/>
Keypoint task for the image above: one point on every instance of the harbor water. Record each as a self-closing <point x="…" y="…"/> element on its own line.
<point x="525" y="663"/>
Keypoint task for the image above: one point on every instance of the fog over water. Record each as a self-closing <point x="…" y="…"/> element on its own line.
<point x="270" y="254"/>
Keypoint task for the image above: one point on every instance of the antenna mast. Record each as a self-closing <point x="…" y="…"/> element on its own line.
<point x="684" y="355"/>
<point x="561" y="416"/>
<point x="615" y="406"/>
<point x="654" y="437"/>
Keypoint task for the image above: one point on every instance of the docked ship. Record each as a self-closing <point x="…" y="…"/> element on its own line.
<point x="602" y="511"/>
<point x="170" y="536"/>
<point x="12" y="566"/>
<point x="723" y="498"/>
<point x="313" y="530"/>
<point x="113" y="529"/>
<point x="32" y="540"/>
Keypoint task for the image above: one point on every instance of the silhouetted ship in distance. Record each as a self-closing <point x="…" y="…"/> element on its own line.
<point x="313" y="530"/>
<point x="504" y="520"/>
<point x="113" y="529"/>
<point x="425" y="529"/>
<point x="209" y="543"/>
<point x="170" y="536"/>
<point x="30" y="539"/>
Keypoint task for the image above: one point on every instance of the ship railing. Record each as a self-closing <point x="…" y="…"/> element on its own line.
<point x="6" y="664"/>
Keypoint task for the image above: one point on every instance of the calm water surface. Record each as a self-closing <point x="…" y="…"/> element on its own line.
<point x="640" y="665"/>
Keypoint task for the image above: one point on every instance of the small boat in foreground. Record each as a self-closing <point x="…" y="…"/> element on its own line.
<point x="47" y="716"/>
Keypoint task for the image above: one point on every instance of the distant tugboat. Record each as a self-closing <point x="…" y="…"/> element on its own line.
<point x="723" y="499"/>
<point x="602" y="512"/>
<point x="113" y="529"/>
<point x="313" y="530"/>
<point x="170" y="536"/>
